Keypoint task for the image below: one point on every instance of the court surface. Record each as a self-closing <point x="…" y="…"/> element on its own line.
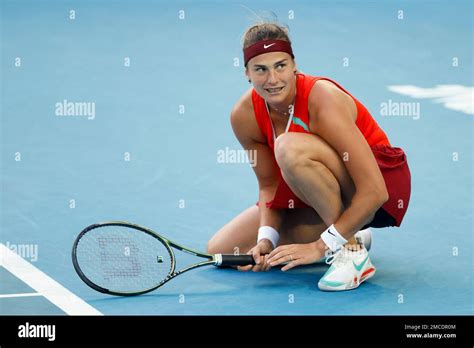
<point x="160" y="79"/>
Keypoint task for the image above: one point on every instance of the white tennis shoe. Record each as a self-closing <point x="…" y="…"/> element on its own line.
<point x="363" y="237"/>
<point x="348" y="270"/>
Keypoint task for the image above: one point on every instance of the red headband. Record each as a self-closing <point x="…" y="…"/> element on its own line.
<point x="266" y="46"/>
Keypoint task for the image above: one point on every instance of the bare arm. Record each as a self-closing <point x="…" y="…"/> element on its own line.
<point x="249" y="135"/>
<point x="332" y="110"/>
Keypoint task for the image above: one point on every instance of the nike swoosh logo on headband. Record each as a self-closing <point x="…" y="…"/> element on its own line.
<point x="266" y="46"/>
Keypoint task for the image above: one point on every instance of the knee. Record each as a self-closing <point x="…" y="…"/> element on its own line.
<point x="289" y="152"/>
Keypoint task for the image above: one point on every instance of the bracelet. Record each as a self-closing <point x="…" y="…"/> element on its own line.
<point x="332" y="238"/>
<point x="268" y="232"/>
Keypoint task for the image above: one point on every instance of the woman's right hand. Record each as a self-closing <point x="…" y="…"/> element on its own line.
<point x="260" y="255"/>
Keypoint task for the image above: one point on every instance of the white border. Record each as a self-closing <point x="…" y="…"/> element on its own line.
<point x="44" y="285"/>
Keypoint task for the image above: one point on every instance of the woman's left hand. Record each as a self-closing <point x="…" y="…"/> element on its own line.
<point x="297" y="254"/>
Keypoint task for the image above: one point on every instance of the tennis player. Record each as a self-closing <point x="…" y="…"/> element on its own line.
<point x="325" y="169"/>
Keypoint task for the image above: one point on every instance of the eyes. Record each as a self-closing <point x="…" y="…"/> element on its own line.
<point x="278" y="67"/>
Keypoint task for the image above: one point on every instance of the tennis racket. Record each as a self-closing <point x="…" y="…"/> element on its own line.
<point x="119" y="258"/>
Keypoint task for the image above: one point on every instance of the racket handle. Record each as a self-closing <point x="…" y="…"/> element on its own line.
<point x="223" y="260"/>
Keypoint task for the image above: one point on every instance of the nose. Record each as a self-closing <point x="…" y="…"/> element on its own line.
<point x="272" y="77"/>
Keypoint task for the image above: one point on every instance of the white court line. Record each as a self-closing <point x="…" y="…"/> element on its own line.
<point x="45" y="285"/>
<point x="26" y="294"/>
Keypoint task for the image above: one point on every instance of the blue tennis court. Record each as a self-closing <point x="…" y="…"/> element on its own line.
<point x="120" y="111"/>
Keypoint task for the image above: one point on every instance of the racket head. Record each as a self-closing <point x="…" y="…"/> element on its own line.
<point x="118" y="258"/>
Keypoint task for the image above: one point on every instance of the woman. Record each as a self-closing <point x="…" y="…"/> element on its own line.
<point x="325" y="169"/>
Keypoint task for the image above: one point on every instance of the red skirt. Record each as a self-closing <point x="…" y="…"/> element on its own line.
<point x="393" y="164"/>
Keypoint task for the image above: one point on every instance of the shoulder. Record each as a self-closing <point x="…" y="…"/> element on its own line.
<point x="243" y="107"/>
<point x="325" y="96"/>
<point x="243" y="118"/>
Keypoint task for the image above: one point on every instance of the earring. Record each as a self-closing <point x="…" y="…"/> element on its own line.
<point x="250" y="81"/>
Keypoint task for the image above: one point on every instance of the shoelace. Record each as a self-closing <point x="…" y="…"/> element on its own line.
<point x="338" y="254"/>
<point x="338" y="257"/>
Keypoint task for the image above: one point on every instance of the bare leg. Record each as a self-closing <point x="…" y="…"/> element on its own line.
<point x="240" y="234"/>
<point x="237" y="236"/>
<point x="316" y="174"/>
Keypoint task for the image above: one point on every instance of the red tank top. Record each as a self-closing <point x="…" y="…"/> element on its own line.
<point x="373" y="134"/>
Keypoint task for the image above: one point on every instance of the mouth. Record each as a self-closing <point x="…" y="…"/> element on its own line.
<point x="274" y="90"/>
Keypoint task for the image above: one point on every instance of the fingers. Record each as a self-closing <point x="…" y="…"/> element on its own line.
<point x="256" y="256"/>
<point x="283" y="260"/>
<point x="279" y="258"/>
<point x="280" y="249"/>
<point x="260" y="260"/>
<point x="266" y="266"/>
<point x="282" y="254"/>
<point x="244" y="268"/>
<point x="276" y="251"/>
<point x="288" y="256"/>
<point x="292" y="264"/>
<point x="262" y="266"/>
<point x="261" y="263"/>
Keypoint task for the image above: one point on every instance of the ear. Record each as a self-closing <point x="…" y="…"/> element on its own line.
<point x="247" y="75"/>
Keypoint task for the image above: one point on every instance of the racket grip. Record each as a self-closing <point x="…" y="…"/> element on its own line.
<point x="223" y="260"/>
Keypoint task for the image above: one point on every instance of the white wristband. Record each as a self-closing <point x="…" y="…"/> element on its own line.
<point x="333" y="238"/>
<point x="268" y="232"/>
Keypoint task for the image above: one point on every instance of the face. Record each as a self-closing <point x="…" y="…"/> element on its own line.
<point x="273" y="76"/>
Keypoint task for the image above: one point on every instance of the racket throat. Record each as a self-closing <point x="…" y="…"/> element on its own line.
<point x="217" y="260"/>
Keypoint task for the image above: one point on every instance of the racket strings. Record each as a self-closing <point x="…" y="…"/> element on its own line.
<point x="123" y="259"/>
